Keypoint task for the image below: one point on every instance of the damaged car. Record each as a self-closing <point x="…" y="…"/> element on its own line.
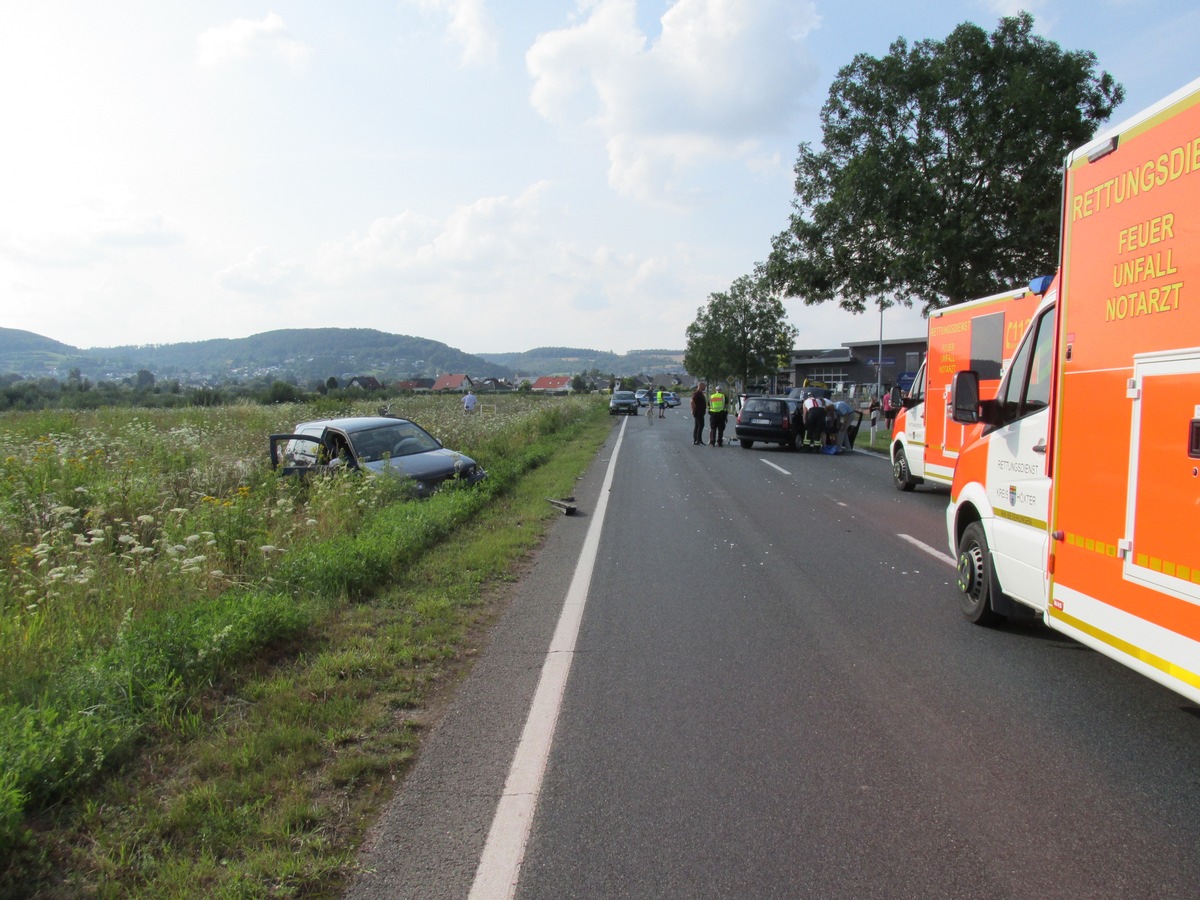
<point x="378" y="444"/>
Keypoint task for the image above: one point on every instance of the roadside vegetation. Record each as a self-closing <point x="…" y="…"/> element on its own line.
<point x="210" y="676"/>
<point x="143" y="389"/>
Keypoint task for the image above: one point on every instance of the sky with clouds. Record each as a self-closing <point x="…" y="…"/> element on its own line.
<point x="497" y="175"/>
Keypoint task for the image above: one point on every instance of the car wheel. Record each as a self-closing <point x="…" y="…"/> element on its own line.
<point x="976" y="579"/>
<point x="746" y="443"/>
<point x="900" y="474"/>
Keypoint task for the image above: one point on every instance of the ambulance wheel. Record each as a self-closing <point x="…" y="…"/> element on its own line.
<point x="976" y="579"/>
<point x="900" y="474"/>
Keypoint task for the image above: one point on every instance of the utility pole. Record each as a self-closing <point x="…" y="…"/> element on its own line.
<point x="878" y="371"/>
<point x="879" y="358"/>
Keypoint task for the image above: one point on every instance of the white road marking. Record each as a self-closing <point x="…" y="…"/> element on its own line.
<point x="921" y="545"/>
<point x="500" y="864"/>
<point x="775" y="467"/>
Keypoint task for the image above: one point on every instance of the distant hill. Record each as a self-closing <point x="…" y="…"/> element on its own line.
<point x="572" y="360"/>
<point x="311" y="353"/>
<point x="32" y="355"/>
<point x="302" y="353"/>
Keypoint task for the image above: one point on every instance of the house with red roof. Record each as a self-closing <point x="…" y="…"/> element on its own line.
<point x="552" y="384"/>
<point x="453" y="384"/>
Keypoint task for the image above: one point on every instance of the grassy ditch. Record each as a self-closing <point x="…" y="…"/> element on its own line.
<point x="882" y="443"/>
<point x="211" y="678"/>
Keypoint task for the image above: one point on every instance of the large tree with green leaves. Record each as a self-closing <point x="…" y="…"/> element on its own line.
<point x="742" y="334"/>
<point x="939" y="178"/>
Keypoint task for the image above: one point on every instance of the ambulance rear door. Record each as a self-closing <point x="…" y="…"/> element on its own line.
<point x="1160" y="548"/>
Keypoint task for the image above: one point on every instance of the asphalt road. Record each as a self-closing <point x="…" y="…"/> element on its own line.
<point x="773" y="695"/>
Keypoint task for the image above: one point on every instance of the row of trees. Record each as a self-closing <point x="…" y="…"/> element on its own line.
<point x="143" y="390"/>
<point x="938" y="180"/>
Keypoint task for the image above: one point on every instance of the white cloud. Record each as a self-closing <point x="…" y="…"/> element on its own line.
<point x="1015" y="7"/>
<point x="469" y="27"/>
<point x="721" y="75"/>
<point x="244" y="38"/>
<point x="87" y="233"/>
<point x="488" y="235"/>
<point x="470" y="276"/>
<point x="260" y="274"/>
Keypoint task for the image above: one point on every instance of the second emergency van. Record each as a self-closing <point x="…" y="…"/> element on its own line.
<point x="980" y="335"/>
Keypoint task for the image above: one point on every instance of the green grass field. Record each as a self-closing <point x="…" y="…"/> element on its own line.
<point x="211" y="677"/>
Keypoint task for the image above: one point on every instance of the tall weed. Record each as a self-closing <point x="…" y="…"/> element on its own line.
<point x="149" y="554"/>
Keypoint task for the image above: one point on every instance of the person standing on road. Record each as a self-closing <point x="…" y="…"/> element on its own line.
<point x="890" y="406"/>
<point x="661" y="399"/>
<point x="699" y="408"/>
<point x="716" y="418"/>
<point x="814" y="420"/>
<point x="844" y="412"/>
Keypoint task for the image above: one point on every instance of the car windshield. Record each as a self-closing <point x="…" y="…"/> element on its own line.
<point x="393" y="440"/>
<point x="623" y="395"/>
<point x="759" y="405"/>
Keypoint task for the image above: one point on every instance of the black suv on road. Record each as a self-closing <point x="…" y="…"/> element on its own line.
<point x="770" y="420"/>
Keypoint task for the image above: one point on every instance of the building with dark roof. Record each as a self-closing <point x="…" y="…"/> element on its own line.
<point x="855" y="368"/>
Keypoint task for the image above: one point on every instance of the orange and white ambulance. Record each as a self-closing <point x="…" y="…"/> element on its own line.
<point x="980" y="335"/>
<point x="1079" y="498"/>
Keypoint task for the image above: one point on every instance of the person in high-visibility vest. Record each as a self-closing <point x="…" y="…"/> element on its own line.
<point x="716" y="418"/>
<point x="661" y="399"/>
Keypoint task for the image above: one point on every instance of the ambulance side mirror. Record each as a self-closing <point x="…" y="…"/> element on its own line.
<point x="964" y="397"/>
